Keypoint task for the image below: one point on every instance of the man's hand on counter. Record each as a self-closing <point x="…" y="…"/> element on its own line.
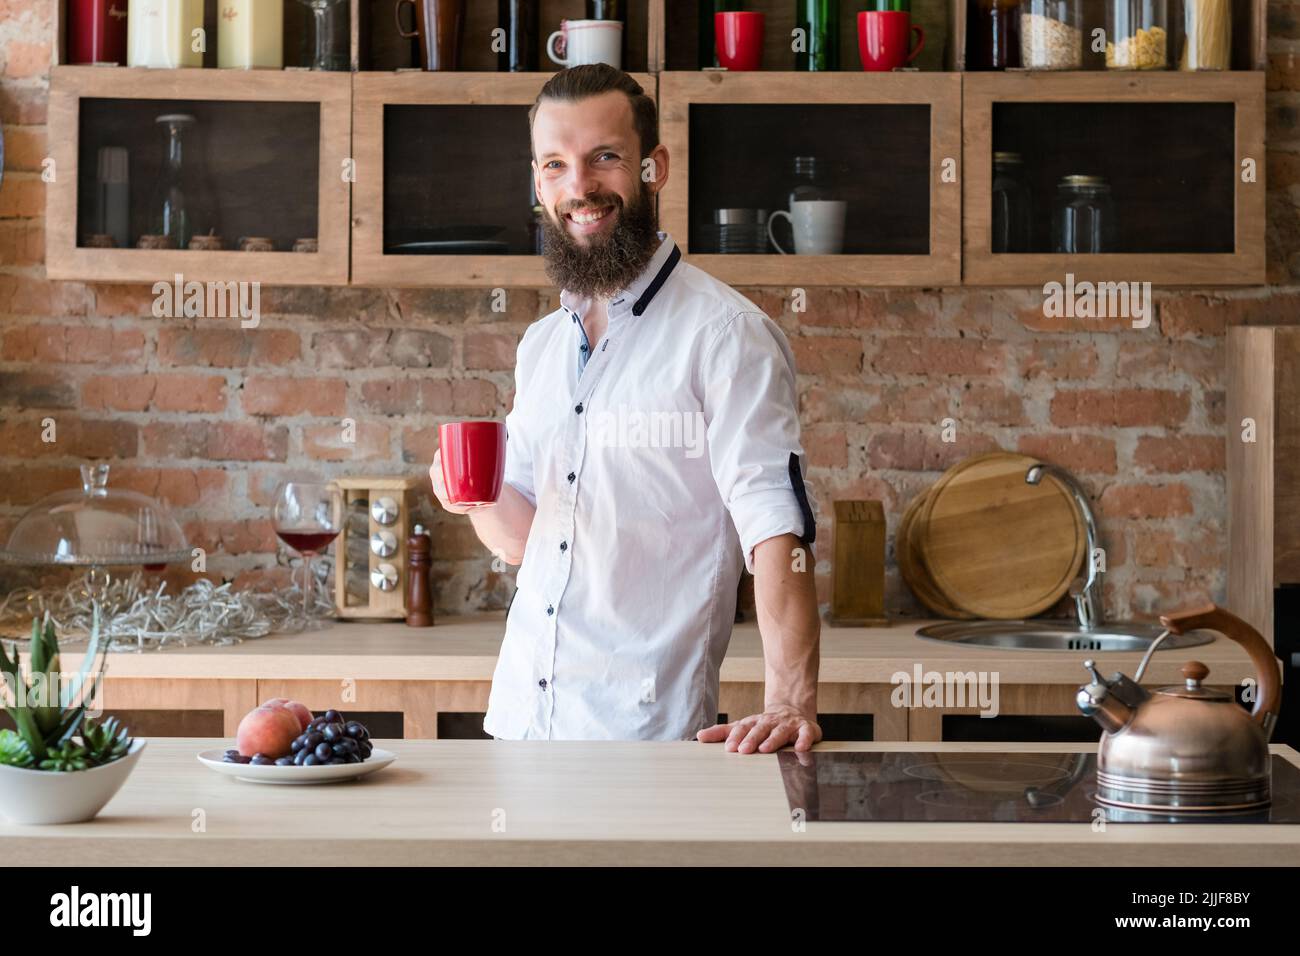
<point x="776" y="727"/>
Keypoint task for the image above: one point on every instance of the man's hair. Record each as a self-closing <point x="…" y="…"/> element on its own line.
<point x="580" y="82"/>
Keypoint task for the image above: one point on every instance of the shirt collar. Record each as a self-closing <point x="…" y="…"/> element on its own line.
<point x="641" y="289"/>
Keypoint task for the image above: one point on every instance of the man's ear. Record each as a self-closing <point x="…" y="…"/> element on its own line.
<point x="537" y="182"/>
<point x="654" y="168"/>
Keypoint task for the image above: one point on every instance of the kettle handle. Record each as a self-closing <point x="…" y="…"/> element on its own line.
<point x="1214" y="618"/>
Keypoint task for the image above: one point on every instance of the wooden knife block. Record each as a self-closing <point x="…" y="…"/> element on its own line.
<point x="858" y="565"/>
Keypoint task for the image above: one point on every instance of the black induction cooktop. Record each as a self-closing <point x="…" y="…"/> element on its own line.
<point x="968" y="787"/>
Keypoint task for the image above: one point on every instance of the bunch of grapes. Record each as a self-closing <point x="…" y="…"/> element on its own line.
<point x="329" y="739"/>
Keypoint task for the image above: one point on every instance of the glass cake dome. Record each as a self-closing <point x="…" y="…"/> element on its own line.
<point x="96" y="525"/>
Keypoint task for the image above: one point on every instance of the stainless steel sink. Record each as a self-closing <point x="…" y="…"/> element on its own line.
<point x="1060" y="635"/>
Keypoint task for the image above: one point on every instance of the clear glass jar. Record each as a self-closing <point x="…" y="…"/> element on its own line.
<point x="1012" y="212"/>
<point x="1083" y="220"/>
<point x="991" y="34"/>
<point x="1203" y="34"/>
<point x="1137" y="35"/>
<point x="1051" y="34"/>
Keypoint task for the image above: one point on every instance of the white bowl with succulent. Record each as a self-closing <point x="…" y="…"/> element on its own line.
<point x="61" y="765"/>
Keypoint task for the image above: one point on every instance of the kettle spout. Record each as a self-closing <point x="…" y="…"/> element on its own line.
<point x="1097" y="699"/>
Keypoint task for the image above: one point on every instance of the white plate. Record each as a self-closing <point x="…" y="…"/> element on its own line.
<point x="270" y="773"/>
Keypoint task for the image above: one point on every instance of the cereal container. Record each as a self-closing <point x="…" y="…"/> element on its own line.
<point x="1203" y="34"/>
<point x="1137" y="35"/>
<point x="1051" y="34"/>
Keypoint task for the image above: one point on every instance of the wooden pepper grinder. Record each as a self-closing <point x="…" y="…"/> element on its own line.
<point x="419" y="602"/>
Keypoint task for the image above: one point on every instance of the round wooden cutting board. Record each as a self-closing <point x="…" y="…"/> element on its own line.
<point x="996" y="546"/>
<point x="913" y="570"/>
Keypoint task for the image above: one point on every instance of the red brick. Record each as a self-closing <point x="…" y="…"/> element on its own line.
<point x="190" y="393"/>
<point x="923" y="404"/>
<point x="24" y="105"/>
<point x="322" y="397"/>
<point x="22" y="242"/>
<point x="471" y="396"/>
<point x="22" y="484"/>
<point x="122" y="393"/>
<point x="23" y="60"/>
<point x="826" y="445"/>
<point x="1119" y="408"/>
<point x="132" y="301"/>
<point x="829" y="308"/>
<point x="1060" y="361"/>
<point x="246" y="536"/>
<point x="23" y="197"/>
<point x="216" y="441"/>
<point x="228" y="348"/>
<point x="817" y="354"/>
<point x="1155" y="363"/>
<point x="490" y="350"/>
<point x="25" y="148"/>
<point x="36" y="389"/>
<point x="1035" y="319"/>
<point x="1180" y="453"/>
<point x="1084" y="454"/>
<point x="1146" y="501"/>
<point x="419" y="442"/>
<point x="72" y="344"/>
<point x="326" y="442"/>
<point x="909" y="355"/>
<point x="924" y="449"/>
<point x="991" y="404"/>
<point x="179" y="487"/>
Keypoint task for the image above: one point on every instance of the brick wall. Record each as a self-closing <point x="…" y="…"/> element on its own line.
<point x="211" y="417"/>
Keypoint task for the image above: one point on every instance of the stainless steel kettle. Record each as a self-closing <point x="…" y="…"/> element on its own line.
<point x="1185" y="748"/>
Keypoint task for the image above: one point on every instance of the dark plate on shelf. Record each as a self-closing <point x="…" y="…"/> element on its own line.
<point x="450" y="247"/>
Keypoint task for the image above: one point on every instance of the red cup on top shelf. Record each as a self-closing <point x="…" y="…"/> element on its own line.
<point x="473" y="461"/>
<point x="885" y="39"/>
<point x="739" y="39"/>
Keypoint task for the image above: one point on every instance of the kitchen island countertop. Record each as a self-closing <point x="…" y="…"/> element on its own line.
<point x="552" y="803"/>
<point x="466" y="648"/>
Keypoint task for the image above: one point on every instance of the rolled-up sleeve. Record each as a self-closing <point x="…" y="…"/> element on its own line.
<point x="519" y="458"/>
<point x="751" y="414"/>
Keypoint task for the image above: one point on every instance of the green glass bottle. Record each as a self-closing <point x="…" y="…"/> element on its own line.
<point x="708" y="40"/>
<point x="820" y="21"/>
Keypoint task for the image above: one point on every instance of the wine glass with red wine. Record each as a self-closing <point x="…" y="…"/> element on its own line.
<point x="308" y="516"/>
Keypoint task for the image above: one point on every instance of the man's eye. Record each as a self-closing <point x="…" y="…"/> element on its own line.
<point x="604" y="156"/>
<point x="553" y="164"/>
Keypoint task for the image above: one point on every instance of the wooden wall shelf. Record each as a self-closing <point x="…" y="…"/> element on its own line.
<point x="883" y="184"/>
<point x="248" y="167"/>
<point x="1176" y="176"/>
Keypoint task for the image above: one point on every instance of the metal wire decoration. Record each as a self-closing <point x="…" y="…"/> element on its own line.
<point x="136" y="619"/>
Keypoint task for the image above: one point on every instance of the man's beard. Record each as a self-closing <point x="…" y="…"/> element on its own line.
<point x="611" y="262"/>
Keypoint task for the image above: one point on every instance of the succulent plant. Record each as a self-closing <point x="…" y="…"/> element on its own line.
<point x="47" y="714"/>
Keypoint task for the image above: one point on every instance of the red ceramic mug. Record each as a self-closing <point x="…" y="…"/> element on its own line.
<point x="473" y="461"/>
<point x="884" y="37"/>
<point x="97" y="31"/>
<point x="739" y="39"/>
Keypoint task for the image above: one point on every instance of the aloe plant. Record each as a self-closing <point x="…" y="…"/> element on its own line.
<point x="47" y="728"/>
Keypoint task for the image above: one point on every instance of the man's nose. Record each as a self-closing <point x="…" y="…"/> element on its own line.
<point x="582" y="183"/>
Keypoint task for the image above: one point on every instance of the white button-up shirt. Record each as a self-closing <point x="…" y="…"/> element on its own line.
<point x="657" y="458"/>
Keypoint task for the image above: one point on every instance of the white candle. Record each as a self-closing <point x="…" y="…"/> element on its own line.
<point x="250" y="34"/>
<point x="160" y="33"/>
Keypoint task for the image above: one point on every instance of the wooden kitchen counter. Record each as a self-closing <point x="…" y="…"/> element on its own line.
<point x="462" y="802"/>
<point x="466" y="648"/>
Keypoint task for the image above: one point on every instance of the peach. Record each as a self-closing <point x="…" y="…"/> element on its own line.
<point x="267" y="730"/>
<point x="301" y="711"/>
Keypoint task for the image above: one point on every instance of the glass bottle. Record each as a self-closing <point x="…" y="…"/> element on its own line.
<point x="1083" y="220"/>
<point x="1012" y="212"/>
<point x="1203" y="34"/>
<point x="518" y="18"/>
<point x="169" y="211"/>
<point x="992" y="34"/>
<point x="1137" y="35"/>
<point x="1051" y="34"/>
<point x="331" y="35"/>
<point x="708" y="39"/>
<point x="820" y="21"/>
<point x="807" y="183"/>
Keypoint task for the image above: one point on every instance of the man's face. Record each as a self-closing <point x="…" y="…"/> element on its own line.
<point x="600" y="228"/>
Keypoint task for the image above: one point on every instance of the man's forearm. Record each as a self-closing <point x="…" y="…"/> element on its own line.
<point x="503" y="527"/>
<point x="785" y="596"/>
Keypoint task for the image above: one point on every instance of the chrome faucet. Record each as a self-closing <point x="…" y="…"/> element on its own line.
<point x="1086" y="593"/>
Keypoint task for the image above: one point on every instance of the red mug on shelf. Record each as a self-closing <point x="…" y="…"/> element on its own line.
<point x="884" y="37"/>
<point x="97" y="31"/>
<point x="473" y="461"/>
<point x="739" y="36"/>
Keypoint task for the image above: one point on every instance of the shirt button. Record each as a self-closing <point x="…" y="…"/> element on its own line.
<point x="578" y="408"/>
<point x="582" y="348"/>
<point x="571" y="477"/>
<point x="542" y="683"/>
<point x="564" y="546"/>
<point x="550" y="609"/>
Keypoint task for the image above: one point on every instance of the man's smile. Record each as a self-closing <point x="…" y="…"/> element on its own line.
<point x="589" y="220"/>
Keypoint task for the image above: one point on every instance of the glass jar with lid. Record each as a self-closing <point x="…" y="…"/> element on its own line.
<point x="1203" y="34"/>
<point x="1051" y="34"/>
<point x="1012" y="215"/>
<point x="1083" y="219"/>
<point x="1137" y="35"/>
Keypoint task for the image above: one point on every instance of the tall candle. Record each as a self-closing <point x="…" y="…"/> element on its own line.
<point x="250" y="34"/>
<point x="160" y="33"/>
